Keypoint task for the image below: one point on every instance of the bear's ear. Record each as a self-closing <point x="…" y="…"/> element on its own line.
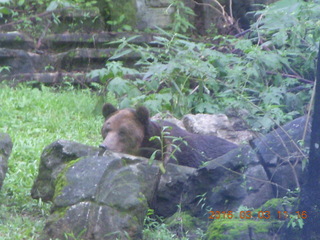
<point x="143" y="115"/>
<point x="108" y="109"/>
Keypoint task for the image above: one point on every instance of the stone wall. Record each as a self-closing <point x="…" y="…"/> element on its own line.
<point x="148" y="14"/>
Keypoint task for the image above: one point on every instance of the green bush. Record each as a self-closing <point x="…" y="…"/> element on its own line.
<point x="269" y="71"/>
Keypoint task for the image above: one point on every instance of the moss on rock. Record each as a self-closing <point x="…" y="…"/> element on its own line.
<point x="118" y="13"/>
<point x="61" y="180"/>
<point x="230" y="229"/>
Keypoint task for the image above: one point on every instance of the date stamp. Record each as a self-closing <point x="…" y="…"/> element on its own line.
<point x="281" y="215"/>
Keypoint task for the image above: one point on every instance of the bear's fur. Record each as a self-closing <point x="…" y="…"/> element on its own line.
<point x="129" y="131"/>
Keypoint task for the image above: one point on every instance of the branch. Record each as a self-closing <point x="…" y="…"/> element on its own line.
<point x="227" y="19"/>
<point x="292" y="76"/>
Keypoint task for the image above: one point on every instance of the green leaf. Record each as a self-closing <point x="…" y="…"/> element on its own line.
<point x="52" y="6"/>
<point x="121" y="54"/>
<point x="21" y="2"/>
<point x="244" y="44"/>
<point x="153" y="156"/>
<point x="205" y="107"/>
<point x="125" y="103"/>
<point x="127" y="28"/>
<point x="273" y="95"/>
<point x="280" y="38"/>
<point x="119" y="86"/>
<point x="5" y="10"/>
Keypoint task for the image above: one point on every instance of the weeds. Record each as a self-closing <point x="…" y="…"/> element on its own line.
<point x="35" y="118"/>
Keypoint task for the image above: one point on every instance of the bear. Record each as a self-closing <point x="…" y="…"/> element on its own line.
<point x="129" y="131"/>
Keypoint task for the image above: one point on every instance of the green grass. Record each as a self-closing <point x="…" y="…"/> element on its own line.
<point x="35" y="118"/>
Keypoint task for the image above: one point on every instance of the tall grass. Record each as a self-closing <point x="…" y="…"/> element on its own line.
<point x="35" y="118"/>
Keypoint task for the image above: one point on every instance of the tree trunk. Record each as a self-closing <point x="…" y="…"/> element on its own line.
<point x="310" y="192"/>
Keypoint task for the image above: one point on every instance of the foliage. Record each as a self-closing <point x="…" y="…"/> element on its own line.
<point x="156" y="228"/>
<point x="168" y="147"/>
<point x="28" y="16"/>
<point x="119" y="15"/>
<point x="35" y="118"/>
<point x="268" y="72"/>
<point x="4" y="10"/>
<point x="180" y="17"/>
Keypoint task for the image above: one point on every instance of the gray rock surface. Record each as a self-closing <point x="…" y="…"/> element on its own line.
<point x="102" y="197"/>
<point x="227" y="182"/>
<point x="251" y="175"/>
<point x="5" y="151"/>
<point x="54" y="159"/>
<point x="218" y="125"/>
<point x="282" y="153"/>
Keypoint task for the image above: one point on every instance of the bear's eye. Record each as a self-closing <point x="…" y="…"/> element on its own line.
<point x="105" y="132"/>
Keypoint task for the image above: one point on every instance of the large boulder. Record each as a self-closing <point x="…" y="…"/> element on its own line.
<point x="19" y="61"/>
<point x="102" y="197"/>
<point x="249" y="176"/>
<point x="5" y="151"/>
<point x="54" y="159"/>
<point x="170" y="189"/>
<point x="220" y="125"/>
<point x="225" y="183"/>
<point x="283" y="152"/>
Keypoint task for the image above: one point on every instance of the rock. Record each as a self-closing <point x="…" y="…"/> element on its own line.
<point x="19" y="61"/>
<point x="5" y="151"/>
<point x="218" y="125"/>
<point x="102" y="197"/>
<point x="168" y="117"/>
<point x="240" y="229"/>
<point x="249" y="177"/>
<point x="170" y="189"/>
<point x="54" y="158"/>
<point x="16" y="40"/>
<point x="103" y="194"/>
<point x="152" y="14"/>
<point x="281" y="154"/>
<point x="138" y="14"/>
<point x="58" y="42"/>
<point x="227" y="182"/>
<point x="206" y="124"/>
<point x="184" y="226"/>
<point x="74" y="20"/>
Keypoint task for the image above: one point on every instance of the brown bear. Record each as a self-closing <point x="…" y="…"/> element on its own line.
<point x="129" y="131"/>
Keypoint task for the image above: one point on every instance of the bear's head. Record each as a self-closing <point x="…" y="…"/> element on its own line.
<point x="124" y="130"/>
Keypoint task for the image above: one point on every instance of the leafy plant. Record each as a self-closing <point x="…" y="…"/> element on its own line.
<point x="113" y="78"/>
<point x="155" y="228"/>
<point x="58" y="4"/>
<point x="167" y="147"/>
<point x="269" y="71"/>
<point x="120" y="22"/>
<point x="295" y="222"/>
<point x="181" y="15"/>
<point x="5" y="10"/>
